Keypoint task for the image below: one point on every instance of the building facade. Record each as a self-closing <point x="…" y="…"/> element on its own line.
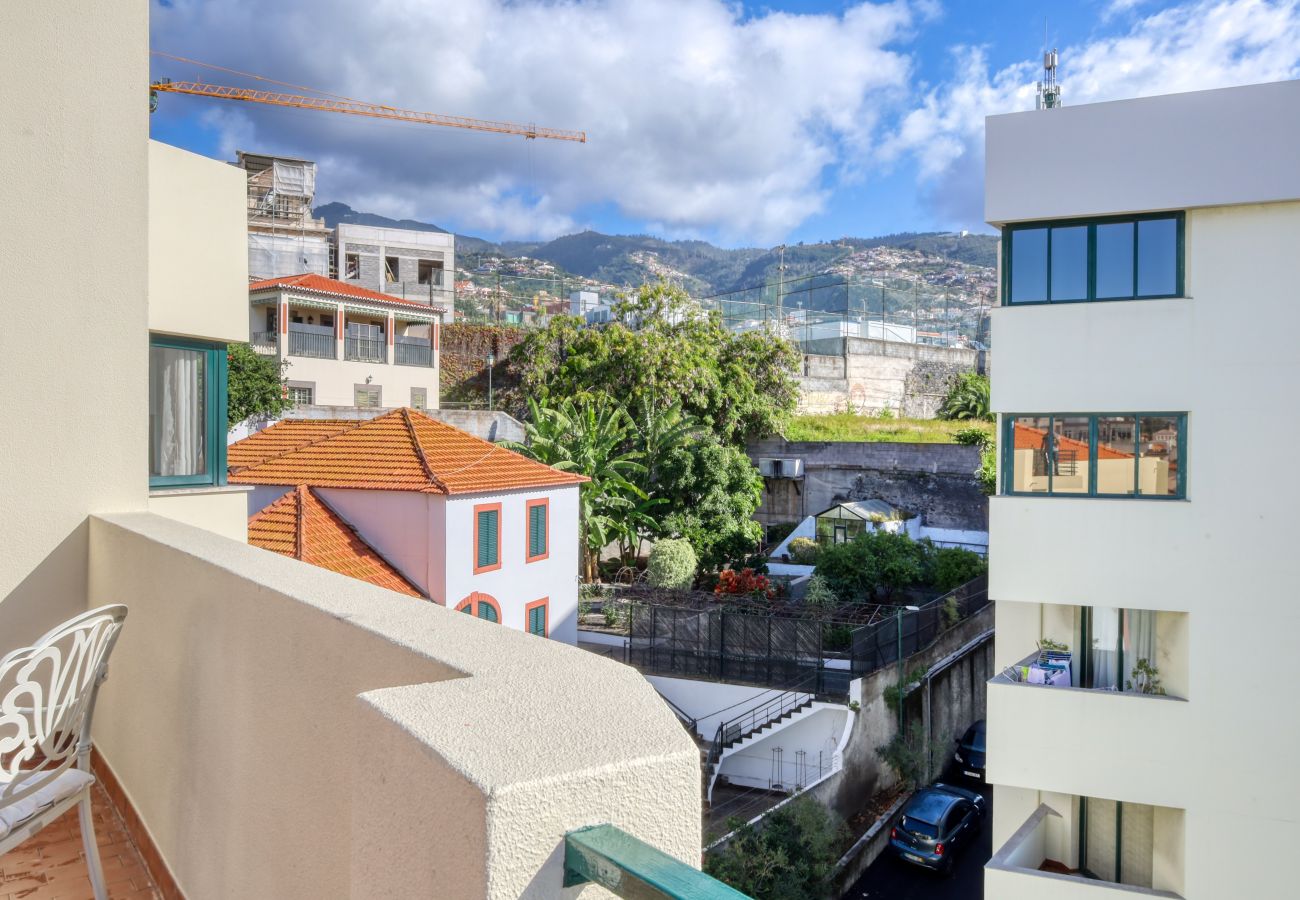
<point x="411" y="265"/>
<point x="1136" y="732"/>
<point x="284" y="237"/>
<point x="345" y="345"/>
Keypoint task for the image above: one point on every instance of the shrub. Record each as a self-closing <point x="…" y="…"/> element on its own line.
<point x="952" y="567"/>
<point x="791" y="856"/>
<point x="819" y="593"/>
<point x="873" y="565"/>
<point x="968" y="398"/>
<point x="746" y="582"/>
<point x="804" y="551"/>
<point x="910" y="756"/>
<point x="973" y="437"/>
<point x="672" y="564"/>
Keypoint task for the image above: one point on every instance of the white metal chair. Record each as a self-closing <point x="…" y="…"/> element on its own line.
<point x="47" y="700"/>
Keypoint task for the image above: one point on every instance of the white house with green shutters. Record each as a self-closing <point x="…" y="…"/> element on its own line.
<point x="474" y="526"/>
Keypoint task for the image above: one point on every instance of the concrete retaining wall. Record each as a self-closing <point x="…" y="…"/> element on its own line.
<point x="935" y="481"/>
<point x="869" y="375"/>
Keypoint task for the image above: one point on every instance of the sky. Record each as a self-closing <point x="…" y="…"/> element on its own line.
<point x="743" y="124"/>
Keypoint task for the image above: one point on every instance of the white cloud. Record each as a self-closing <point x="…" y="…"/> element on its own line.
<point x="1194" y="46"/>
<point x="700" y="117"/>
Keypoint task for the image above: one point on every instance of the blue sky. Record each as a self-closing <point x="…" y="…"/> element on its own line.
<point x="741" y="124"/>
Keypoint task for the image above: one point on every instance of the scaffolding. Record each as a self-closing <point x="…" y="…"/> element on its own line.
<point x="284" y="238"/>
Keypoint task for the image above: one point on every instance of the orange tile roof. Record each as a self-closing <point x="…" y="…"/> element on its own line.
<point x="319" y="284"/>
<point x="403" y="450"/>
<point x="301" y="526"/>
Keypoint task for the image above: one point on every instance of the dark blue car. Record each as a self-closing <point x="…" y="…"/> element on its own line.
<point x="969" y="757"/>
<point x="936" y="823"/>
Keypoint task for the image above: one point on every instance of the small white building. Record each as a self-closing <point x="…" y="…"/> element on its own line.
<point x="468" y="523"/>
<point x="346" y="345"/>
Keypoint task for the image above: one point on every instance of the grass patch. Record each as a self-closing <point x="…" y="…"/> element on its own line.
<point x="854" y="427"/>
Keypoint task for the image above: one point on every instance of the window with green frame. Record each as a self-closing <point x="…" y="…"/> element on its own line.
<point x="537" y="530"/>
<point x="1080" y="260"/>
<point x="187" y="412"/>
<point x="537" y="619"/>
<point x="1096" y="455"/>
<point x="487" y="549"/>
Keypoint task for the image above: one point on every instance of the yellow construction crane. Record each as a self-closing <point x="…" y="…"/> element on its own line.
<point x="340" y="104"/>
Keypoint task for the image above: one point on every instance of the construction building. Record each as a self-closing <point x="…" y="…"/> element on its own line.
<point x="412" y="265"/>
<point x="283" y="236"/>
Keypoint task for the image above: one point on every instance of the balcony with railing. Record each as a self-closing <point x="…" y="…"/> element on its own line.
<point x="314" y="341"/>
<point x="264" y="342"/>
<point x="1042" y="858"/>
<point x="365" y="349"/>
<point x="412" y="351"/>
<point x="320" y="728"/>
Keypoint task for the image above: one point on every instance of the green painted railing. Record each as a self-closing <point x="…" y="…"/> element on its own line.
<point x="630" y="868"/>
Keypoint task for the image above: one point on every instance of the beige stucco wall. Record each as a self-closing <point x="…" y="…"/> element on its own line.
<point x="198" y="246"/>
<point x="73" y="144"/>
<point x="1220" y="559"/>
<point x="223" y="511"/>
<point x="288" y="732"/>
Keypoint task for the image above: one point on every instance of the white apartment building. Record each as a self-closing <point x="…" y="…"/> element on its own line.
<point x="1145" y="749"/>
<point x="408" y="264"/>
<point x="346" y="345"/>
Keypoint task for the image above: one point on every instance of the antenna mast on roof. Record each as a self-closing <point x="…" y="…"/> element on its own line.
<point x="1049" y="92"/>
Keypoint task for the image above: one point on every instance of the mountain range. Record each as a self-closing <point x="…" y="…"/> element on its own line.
<point x="699" y="266"/>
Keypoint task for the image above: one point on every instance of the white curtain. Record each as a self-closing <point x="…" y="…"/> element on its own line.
<point x="1139" y="639"/>
<point x="1105" y="648"/>
<point x="177" y="417"/>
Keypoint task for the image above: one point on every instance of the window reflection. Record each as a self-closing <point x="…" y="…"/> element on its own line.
<point x="1157" y="251"/>
<point x="1116" y="440"/>
<point x="1028" y="265"/>
<point x="1158" y="455"/>
<point x="1070" y="263"/>
<point x="1029" y="467"/>
<point x="1070" y="454"/>
<point x="1115" y="260"/>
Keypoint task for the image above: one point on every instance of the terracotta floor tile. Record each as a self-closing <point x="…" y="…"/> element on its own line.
<point x="50" y="865"/>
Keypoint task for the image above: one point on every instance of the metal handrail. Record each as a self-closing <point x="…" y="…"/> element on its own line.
<point x="687" y="720"/>
<point x="407" y="352"/>
<point x="733" y="729"/>
<point x="317" y="346"/>
<point x="365" y="350"/>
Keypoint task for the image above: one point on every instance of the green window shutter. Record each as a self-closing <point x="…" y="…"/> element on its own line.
<point x="487" y="538"/>
<point x="536" y="530"/>
<point x="468" y="608"/>
<point x="537" y="620"/>
<point x="487" y="612"/>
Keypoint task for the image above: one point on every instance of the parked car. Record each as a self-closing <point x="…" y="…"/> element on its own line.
<point x="970" y="752"/>
<point x="936" y="823"/>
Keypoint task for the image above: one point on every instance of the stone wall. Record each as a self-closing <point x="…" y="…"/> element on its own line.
<point x="935" y="481"/>
<point x="871" y="375"/>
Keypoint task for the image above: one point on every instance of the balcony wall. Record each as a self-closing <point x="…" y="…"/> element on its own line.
<point x="1090" y="743"/>
<point x="287" y="732"/>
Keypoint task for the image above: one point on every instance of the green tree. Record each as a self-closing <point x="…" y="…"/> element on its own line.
<point x="951" y="567"/>
<point x="791" y="855"/>
<point x="664" y="350"/>
<point x="872" y="566"/>
<point x="255" y="387"/>
<point x="968" y="398"/>
<point x="710" y="492"/>
<point x="590" y="437"/>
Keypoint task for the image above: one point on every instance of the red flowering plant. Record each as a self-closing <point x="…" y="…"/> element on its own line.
<point x="746" y="582"/>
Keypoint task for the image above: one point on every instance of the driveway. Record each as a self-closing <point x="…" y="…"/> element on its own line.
<point x="891" y="879"/>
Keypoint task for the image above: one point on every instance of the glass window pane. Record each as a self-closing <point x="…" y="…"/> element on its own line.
<point x="1103" y="662"/>
<point x="1139" y="639"/>
<point x="1070" y="454"/>
<point x="1116" y="443"/>
<point x="178" y="413"/>
<point x="1070" y="263"/>
<point x="1157" y="257"/>
<point x="1028" y="265"/>
<point x="1159" y="455"/>
<point x="1029" y="470"/>
<point x="1115" y="260"/>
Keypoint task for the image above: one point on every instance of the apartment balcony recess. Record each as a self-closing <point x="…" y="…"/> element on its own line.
<point x="264" y="342"/>
<point x="366" y="349"/>
<point x="434" y="291"/>
<point x="1025" y="867"/>
<point x="300" y="673"/>
<point x="413" y="352"/>
<point x="315" y="341"/>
